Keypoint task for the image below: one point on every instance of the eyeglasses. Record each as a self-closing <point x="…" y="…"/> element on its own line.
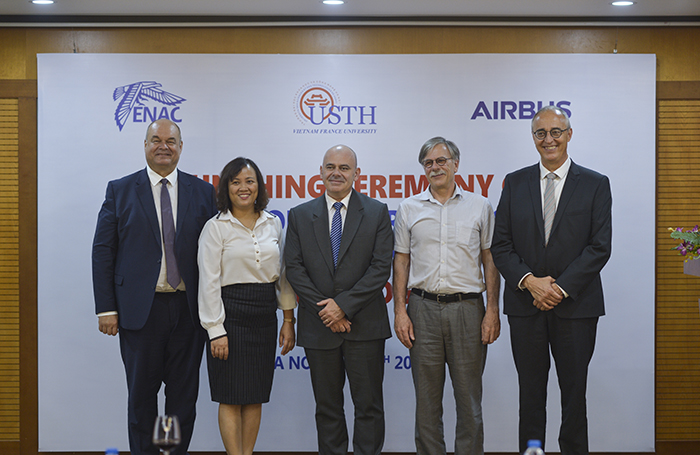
<point x="554" y="132"/>
<point x="439" y="161"/>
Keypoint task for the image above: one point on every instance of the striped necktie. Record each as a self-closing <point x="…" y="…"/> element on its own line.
<point x="336" y="232"/>
<point x="166" y="213"/>
<point x="550" y="206"/>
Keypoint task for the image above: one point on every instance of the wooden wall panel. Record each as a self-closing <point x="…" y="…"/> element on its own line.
<point x="18" y="396"/>
<point x="28" y="342"/>
<point x="672" y="45"/>
<point x="9" y="271"/>
<point x="677" y="307"/>
<point x="12" y="54"/>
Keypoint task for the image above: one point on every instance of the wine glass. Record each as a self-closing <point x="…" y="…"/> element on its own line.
<point x="166" y="433"/>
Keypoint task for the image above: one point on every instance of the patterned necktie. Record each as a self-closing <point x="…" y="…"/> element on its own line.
<point x="166" y="213"/>
<point x="550" y="206"/>
<point x="336" y="232"/>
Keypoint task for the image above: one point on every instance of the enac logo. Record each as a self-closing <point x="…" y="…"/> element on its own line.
<point x="313" y="101"/>
<point x="131" y="103"/>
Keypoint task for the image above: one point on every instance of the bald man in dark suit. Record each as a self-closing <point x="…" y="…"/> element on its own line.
<point x="343" y="320"/>
<point x="145" y="279"/>
<point x="552" y="238"/>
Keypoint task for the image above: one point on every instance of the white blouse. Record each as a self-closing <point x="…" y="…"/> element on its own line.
<point x="230" y="253"/>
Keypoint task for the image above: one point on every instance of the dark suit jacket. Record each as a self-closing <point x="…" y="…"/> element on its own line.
<point x="126" y="252"/>
<point x="364" y="266"/>
<point x="579" y="243"/>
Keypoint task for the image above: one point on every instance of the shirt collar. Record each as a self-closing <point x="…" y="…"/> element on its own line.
<point x="330" y="201"/>
<point x="426" y="195"/>
<point x="155" y="178"/>
<point x="561" y="172"/>
<point x="228" y="216"/>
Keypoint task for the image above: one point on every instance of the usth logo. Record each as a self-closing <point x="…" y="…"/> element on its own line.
<point x="132" y="105"/>
<point x="318" y="103"/>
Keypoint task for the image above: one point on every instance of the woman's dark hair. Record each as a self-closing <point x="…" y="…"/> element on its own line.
<point x="230" y="171"/>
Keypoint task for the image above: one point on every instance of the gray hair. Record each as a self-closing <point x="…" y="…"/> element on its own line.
<point x="437" y="140"/>
<point x="557" y="110"/>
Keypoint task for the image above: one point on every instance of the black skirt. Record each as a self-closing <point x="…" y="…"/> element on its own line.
<point x="251" y="327"/>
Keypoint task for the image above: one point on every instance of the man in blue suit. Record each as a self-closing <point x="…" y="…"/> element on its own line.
<point x="144" y="268"/>
<point x="552" y="238"/>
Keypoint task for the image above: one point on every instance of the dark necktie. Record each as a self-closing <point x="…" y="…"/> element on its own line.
<point x="550" y="207"/>
<point x="166" y="213"/>
<point x="336" y="232"/>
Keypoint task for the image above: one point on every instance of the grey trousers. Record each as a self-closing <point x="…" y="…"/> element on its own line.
<point x="447" y="333"/>
<point x="363" y="363"/>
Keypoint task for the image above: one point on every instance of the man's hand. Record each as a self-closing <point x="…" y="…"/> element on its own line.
<point x="546" y="294"/>
<point x="109" y="325"/>
<point x="403" y="326"/>
<point x="219" y="348"/>
<point x="331" y="313"/>
<point x="490" y="327"/>
<point x="491" y="323"/>
<point x="341" y="326"/>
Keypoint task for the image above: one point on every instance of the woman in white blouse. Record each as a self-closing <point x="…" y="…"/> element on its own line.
<point x="241" y="285"/>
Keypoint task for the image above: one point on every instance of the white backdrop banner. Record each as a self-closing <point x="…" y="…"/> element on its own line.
<point x="284" y="111"/>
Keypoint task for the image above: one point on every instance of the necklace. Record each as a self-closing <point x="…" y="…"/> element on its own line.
<point x="248" y="220"/>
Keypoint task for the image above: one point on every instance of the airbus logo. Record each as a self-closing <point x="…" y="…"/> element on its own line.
<point x="132" y="105"/>
<point x="504" y="110"/>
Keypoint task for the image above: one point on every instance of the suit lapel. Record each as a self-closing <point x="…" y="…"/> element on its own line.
<point x="322" y="231"/>
<point x="184" y="196"/>
<point x="145" y="195"/>
<point x="569" y="188"/>
<point x="536" y="198"/>
<point x="353" y="218"/>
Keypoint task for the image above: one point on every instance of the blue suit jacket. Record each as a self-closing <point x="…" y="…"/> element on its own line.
<point x="364" y="266"/>
<point x="579" y="243"/>
<point x="126" y="252"/>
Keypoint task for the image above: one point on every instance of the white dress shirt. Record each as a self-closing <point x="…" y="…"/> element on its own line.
<point x="331" y="210"/>
<point x="445" y="240"/>
<point x="162" y="284"/>
<point x="558" y="183"/>
<point x="230" y="253"/>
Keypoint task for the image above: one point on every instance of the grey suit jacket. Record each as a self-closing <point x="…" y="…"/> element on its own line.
<point x="364" y="266"/>
<point x="579" y="243"/>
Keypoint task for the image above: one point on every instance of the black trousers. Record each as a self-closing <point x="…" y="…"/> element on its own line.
<point x="363" y="362"/>
<point x="167" y="350"/>
<point x="571" y="342"/>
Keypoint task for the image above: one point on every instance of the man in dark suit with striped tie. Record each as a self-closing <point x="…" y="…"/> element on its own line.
<point x="338" y="257"/>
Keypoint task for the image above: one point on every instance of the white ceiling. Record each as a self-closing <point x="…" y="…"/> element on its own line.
<point x="659" y="11"/>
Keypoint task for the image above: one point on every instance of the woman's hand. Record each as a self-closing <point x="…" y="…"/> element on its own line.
<point x="287" y="337"/>
<point x="219" y="348"/>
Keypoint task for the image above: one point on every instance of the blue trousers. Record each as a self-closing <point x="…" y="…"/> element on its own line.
<point x="167" y="350"/>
